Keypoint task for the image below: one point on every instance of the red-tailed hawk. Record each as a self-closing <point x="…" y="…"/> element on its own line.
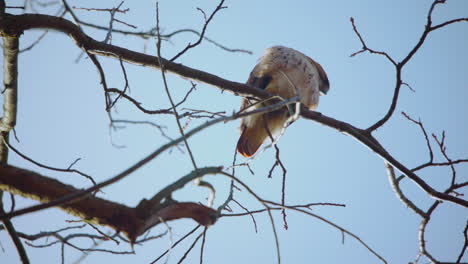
<point x="285" y="72"/>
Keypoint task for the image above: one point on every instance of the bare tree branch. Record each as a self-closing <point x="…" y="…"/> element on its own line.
<point x="399" y="66"/>
<point x="24" y="22"/>
<point x="168" y="93"/>
<point x="10" y="91"/>
<point x="176" y="243"/>
<point x="14" y="236"/>
<point x="190" y="248"/>
<point x="396" y="188"/>
<point x="465" y="244"/>
<point x="131" y="221"/>
<point x="134" y="222"/>
<point x="69" y="169"/>
<point x="8" y="120"/>
<point x="202" y="34"/>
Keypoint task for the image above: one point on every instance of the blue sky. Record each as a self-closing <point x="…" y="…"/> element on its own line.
<point x="62" y="117"/>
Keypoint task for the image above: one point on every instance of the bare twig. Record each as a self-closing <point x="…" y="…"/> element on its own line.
<point x="399" y="66"/>
<point x="137" y="104"/>
<point x="198" y="181"/>
<point x="465" y="244"/>
<point x="174" y="109"/>
<point x="69" y="169"/>
<point x="116" y="9"/>
<point x="160" y="128"/>
<point x="127" y="85"/>
<point x="280" y="163"/>
<point x="428" y="143"/>
<point x="14" y="236"/>
<point x="203" y="245"/>
<point x="443" y="150"/>
<point x="248" y="213"/>
<point x="366" y="48"/>
<point x="207" y="21"/>
<point x="190" y="248"/>
<point x="34" y="43"/>
<point x="308" y="206"/>
<point x="176" y="243"/>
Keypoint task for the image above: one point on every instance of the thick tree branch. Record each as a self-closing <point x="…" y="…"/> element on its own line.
<point x="369" y="141"/>
<point x="20" y="23"/>
<point x="10" y="83"/>
<point x="8" y="120"/>
<point x="14" y="237"/>
<point x="132" y="221"/>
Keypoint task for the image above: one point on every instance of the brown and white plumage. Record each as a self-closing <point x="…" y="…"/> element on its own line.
<point x="285" y="72"/>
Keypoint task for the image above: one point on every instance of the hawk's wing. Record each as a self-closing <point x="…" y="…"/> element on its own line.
<point x="287" y="73"/>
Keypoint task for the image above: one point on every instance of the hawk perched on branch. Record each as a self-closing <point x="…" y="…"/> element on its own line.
<point x="287" y="73"/>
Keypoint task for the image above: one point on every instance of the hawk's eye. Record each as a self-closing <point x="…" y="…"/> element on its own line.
<point x="261" y="82"/>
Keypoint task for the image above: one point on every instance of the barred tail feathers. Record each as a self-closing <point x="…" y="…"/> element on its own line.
<point x="254" y="135"/>
<point x="251" y="139"/>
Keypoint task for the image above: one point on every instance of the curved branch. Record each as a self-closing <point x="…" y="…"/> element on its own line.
<point x="132" y="221"/>
<point x="399" y="66"/>
<point x="396" y="188"/>
<point x="422" y="230"/>
<point x="365" y="138"/>
<point x="202" y="34"/>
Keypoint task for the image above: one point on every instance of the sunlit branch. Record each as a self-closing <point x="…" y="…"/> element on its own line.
<point x="8" y="120"/>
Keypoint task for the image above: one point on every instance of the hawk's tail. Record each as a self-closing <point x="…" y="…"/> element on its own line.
<point x="251" y="139"/>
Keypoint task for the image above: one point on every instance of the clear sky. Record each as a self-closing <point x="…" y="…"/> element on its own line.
<point x="61" y="117"/>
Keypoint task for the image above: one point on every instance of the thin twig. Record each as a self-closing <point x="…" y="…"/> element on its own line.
<point x="14" y="236"/>
<point x="465" y="244"/>
<point x="443" y="150"/>
<point x="69" y="169"/>
<point x="190" y="248"/>
<point x="168" y="93"/>
<point x="280" y="163"/>
<point x="176" y="243"/>
<point x="248" y="213"/>
<point x="203" y="244"/>
<point x="207" y="21"/>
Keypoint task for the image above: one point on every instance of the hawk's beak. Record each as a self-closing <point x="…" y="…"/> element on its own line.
<point x="323" y="92"/>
